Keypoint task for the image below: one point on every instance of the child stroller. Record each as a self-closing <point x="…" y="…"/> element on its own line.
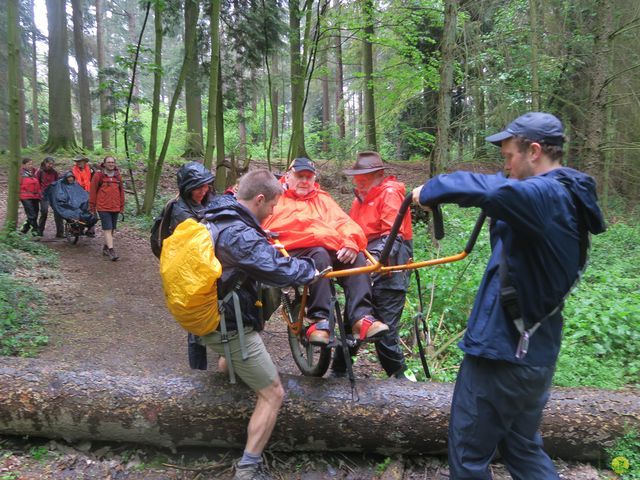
<point x="71" y="202"/>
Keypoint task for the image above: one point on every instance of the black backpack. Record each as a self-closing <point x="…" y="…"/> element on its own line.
<point x="160" y="227"/>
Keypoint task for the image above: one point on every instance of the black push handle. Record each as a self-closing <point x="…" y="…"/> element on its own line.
<point x="438" y="226"/>
<point x="476" y="231"/>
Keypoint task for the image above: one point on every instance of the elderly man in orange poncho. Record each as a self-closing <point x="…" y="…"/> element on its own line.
<point x="311" y="224"/>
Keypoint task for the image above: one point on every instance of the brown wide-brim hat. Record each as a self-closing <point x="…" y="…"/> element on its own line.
<point x="366" y="164"/>
<point x="81" y="158"/>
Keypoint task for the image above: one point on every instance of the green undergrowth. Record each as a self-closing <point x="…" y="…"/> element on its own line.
<point x="601" y="346"/>
<point x="624" y="456"/>
<point x="22" y="305"/>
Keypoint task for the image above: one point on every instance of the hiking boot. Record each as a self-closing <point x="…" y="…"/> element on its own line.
<point x="105" y="250"/>
<point x="318" y="333"/>
<point x="369" y="329"/>
<point x="112" y="255"/>
<point x="252" y="471"/>
<point x="25" y="228"/>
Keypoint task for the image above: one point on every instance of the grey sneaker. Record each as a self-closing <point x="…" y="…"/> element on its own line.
<point x="253" y="471"/>
<point x="112" y="255"/>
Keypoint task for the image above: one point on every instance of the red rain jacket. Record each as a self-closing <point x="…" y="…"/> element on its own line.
<point x="107" y="193"/>
<point x="29" y="185"/>
<point x="376" y="212"/>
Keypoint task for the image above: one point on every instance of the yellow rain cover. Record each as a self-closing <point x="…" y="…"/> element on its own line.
<point x="189" y="270"/>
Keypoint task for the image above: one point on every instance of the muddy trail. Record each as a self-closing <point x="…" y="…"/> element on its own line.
<point x="106" y="315"/>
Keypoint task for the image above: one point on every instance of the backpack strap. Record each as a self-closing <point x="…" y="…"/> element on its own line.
<point x="214" y="230"/>
<point x="509" y="295"/>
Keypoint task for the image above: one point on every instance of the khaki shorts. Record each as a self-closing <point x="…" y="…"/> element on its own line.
<point x="258" y="370"/>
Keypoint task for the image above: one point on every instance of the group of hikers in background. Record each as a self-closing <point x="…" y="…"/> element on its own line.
<point x="79" y="196"/>
<point x="542" y="214"/>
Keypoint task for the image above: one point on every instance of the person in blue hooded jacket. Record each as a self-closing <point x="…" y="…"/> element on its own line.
<point x="541" y="213"/>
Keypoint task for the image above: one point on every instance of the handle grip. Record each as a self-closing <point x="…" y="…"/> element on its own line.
<point x="438" y="226"/>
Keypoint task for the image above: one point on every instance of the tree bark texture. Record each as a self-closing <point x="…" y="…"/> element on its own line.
<point x="84" y="95"/>
<point x="340" y="114"/>
<point x="60" y="121"/>
<point x="105" y="133"/>
<point x="367" y="67"/>
<point x="149" y="191"/>
<point x="203" y="409"/>
<point x="13" y="64"/>
<point x="34" y="79"/>
<point x="446" y="84"/>
<point x="596" y="126"/>
<point x="193" y="102"/>
<point x="214" y="86"/>
<point x="298" y="76"/>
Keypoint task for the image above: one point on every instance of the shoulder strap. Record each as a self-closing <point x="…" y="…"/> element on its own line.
<point x="509" y="298"/>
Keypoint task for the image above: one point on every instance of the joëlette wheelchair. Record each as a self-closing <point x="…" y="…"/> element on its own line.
<point x="314" y="360"/>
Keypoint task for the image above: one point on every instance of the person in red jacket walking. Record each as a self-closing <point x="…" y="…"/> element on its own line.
<point x="46" y="175"/>
<point x="378" y="198"/>
<point x="30" y="196"/>
<point x="106" y="197"/>
<point x="311" y="224"/>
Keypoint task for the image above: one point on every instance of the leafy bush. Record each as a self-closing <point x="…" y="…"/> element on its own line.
<point x="624" y="456"/>
<point x="601" y="345"/>
<point x="21" y="305"/>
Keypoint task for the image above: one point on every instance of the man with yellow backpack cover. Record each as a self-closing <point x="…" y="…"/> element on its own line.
<point x="246" y="258"/>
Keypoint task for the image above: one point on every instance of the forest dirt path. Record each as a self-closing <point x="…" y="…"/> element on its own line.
<point x="105" y="315"/>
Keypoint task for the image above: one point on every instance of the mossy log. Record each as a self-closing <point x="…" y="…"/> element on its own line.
<point x="203" y="409"/>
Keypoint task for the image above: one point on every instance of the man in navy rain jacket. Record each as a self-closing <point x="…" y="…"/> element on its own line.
<point x="537" y="215"/>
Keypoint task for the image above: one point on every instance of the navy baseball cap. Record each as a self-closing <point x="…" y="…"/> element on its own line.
<point x="536" y="126"/>
<point x="301" y="164"/>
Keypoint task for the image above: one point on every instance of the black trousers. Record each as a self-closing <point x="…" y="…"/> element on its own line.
<point x="44" y="212"/>
<point x="387" y="307"/>
<point x="31" y="207"/>
<point x="357" y="288"/>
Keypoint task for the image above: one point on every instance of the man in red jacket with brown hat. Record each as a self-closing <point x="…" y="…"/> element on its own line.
<point x="311" y="224"/>
<point x="378" y="198"/>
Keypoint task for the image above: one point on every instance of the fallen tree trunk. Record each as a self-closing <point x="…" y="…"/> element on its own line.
<point x="203" y="409"/>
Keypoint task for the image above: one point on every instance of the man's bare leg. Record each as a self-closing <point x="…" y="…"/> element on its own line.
<point x="264" y="417"/>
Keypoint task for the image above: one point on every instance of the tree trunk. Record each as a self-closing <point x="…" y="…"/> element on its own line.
<point x="4" y="80"/>
<point x="214" y="30"/>
<point x="86" y="122"/>
<point x="34" y="79"/>
<point x="326" y="111"/>
<point x="105" y="133"/>
<point x="595" y="129"/>
<point x="193" y="102"/>
<point x="222" y="182"/>
<point x="202" y="409"/>
<point x="340" y="114"/>
<point x="367" y="68"/>
<point x="21" y="107"/>
<point x="296" y="145"/>
<point x="13" y="64"/>
<point x="133" y="39"/>
<point x="535" y="83"/>
<point x="446" y="84"/>
<point x="149" y="192"/>
<point x="60" y="120"/>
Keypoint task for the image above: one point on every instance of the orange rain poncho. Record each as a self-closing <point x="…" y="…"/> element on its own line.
<point x="314" y="220"/>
